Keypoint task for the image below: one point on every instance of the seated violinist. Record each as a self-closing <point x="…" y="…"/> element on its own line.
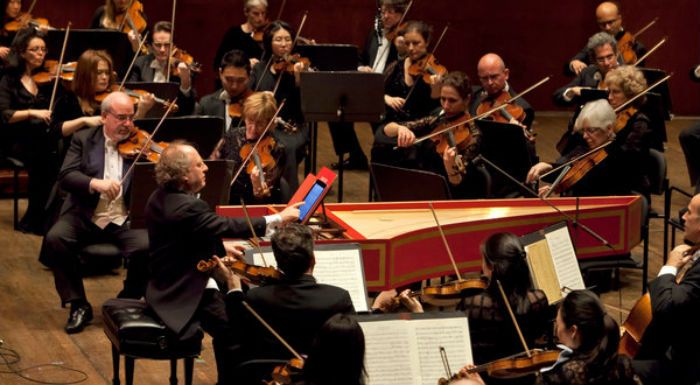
<point x="296" y="306"/>
<point x="227" y="102"/>
<point x="122" y="15"/>
<point x="96" y="209"/>
<point x="152" y="67"/>
<point x="256" y="185"/>
<point x="589" y="338"/>
<point x="246" y="37"/>
<point x="609" y="18"/>
<point x="454" y="161"/>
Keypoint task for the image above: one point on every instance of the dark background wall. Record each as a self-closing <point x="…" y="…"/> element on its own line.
<point x="535" y="38"/>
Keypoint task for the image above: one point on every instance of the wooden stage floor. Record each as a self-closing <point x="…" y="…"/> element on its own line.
<point x="31" y="320"/>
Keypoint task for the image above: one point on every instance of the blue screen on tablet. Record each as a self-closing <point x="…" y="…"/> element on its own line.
<point x="310" y="200"/>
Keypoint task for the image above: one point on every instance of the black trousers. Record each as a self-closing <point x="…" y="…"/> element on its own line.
<point x="345" y="141"/>
<point x="72" y="232"/>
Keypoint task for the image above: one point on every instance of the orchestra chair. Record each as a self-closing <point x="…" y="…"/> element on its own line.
<point x="505" y="145"/>
<point x="136" y="332"/>
<point x="402" y="184"/>
<point x="16" y="166"/>
<point x="254" y="371"/>
<point x="675" y="223"/>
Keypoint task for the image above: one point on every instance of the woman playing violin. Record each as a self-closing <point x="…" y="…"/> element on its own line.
<point x="11" y="10"/>
<point x="112" y="14"/>
<point x="24" y="106"/>
<point x="269" y="184"/>
<point x="399" y="82"/>
<point x="455" y="93"/>
<point x="278" y="41"/>
<point x="375" y="56"/>
<point x="153" y="67"/>
<point x="589" y="337"/>
<point x="247" y="37"/>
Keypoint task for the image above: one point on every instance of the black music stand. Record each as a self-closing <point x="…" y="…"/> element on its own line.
<point x="115" y="43"/>
<point x="652" y="75"/>
<point x="403" y="184"/>
<point x="653" y="108"/>
<point x="143" y="184"/>
<point x="505" y="145"/>
<point x="591" y="94"/>
<point x="341" y="97"/>
<point x="330" y="57"/>
<point x="165" y="91"/>
<point x="203" y="131"/>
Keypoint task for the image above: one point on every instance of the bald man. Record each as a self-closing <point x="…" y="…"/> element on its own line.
<point x="609" y="19"/>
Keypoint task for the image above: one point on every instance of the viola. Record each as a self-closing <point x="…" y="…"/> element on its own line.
<point x="25" y="20"/>
<point x="426" y="67"/>
<point x="135" y="96"/>
<point x="262" y="159"/>
<point x="48" y="74"/>
<point x="623" y="117"/>
<point x="132" y="19"/>
<point x="131" y="146"/>
<point x="253" y="273"/>
<point x="518" y="365"/>
<point x="580" y="168"/>
<point x="286" y="64"/>
<point x="181" y="56"/>
<point x="504" y="115"/>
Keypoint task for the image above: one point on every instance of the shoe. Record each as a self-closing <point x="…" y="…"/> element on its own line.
<point x="349" y="164"/>
<point x="79" y="318"/>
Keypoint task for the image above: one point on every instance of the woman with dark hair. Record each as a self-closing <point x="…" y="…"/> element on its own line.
<point x="590" y="338"/>
<point x="278" y="41"/>
<point x="10" y="9"/>
<point x="24" y="106"/>
<point x="337" y="355"/>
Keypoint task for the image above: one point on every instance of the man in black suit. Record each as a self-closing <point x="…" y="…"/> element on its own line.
<point x="296" y="306"/>
<point x="183" y="230"/>
<point x="152" y="68"/>
<point x="96" y="209"/>
<point x="675" y="303"/>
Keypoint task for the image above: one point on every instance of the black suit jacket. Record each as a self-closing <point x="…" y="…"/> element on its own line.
<point x="183" y="230"/>
<point x="589" y="77"/>
<point x="84" y="161"/>
<point x="296" y="309"/>
<point x="142" y="72"/>
<point x="372" y="49"/>
<point x="211" y="105"/>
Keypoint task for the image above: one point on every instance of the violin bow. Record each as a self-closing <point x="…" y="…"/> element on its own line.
<point x="575" y="159"/>
<point x="257" y="142"/>
<point x="444" y="241"/>
<point x="386" y="47"/>
<point x="425" y="65"/>
<point x="641" y="31"/>
<point x="271" y="330"/>
<point x="512" y="317"/>
<point x="642" y="93"/>
<point x="281" y="10"/>
<point x="31" y="8"/>
<point x="133" y="60"/>
<point x="172" y="43"/>
<point x="485" y="114"/>
<point x="149" y="140"/>
<point x="252" y="231"/>
<point x="58" y="68"/>
<point x="654" y="48"/>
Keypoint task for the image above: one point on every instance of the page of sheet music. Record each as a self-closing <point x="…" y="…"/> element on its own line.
<point x="340" y="268"/>
<point x="564" y="257"/>
<point x="390" y="353"/>
<point x="450" y="333"/>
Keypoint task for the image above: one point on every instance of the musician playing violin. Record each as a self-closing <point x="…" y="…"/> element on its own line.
<point x="271" y="186"/>
<point x="106" y="17"/>
<point x="455" y="93"/>
<point x="609" y="19"/>
<point x="153" y="68"/>
<point x="675" y="304"/>
<point x="296" y="306"/>
<point x="589" y="338"/>
<point x="183" y="297"/>
<point x="247" y="37"/>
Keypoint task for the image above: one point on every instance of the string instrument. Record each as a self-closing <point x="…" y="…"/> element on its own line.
<point x="25" y="20"/>
<point x="286" y="64"/>
<point x="132" y="146"/>
<point x="579" y="169"/>
<point x="518" y="365"/>
<point x="262" y="159"/>
<point x="132" y="19"/>
<point x="426" y="67"/>
<point x="255" y="274"/>
<point x="235" y="109"/>
<point x="135" y="96"/>
<point x="623" y="117"/>
<point x="178" y="56"/>
<point x="458" y="136"/>
<point x="48" y="73"/>
<point x="288" y="372"/>
<point x="504" y="115"/>
<point x="625" y="45"/>
<point x="640" y="317"/>
<point x="395" y="31"/>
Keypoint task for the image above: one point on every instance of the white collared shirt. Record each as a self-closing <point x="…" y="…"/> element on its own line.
<point x="160" y="77"/>
<point x="113" y="211"/>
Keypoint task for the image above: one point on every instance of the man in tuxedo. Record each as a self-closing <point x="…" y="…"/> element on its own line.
<point x="675" y="303"/>
<point x="183" y="230"/>
<point x="152" y="68"/>
<point x="296" y="306"/>
<point x="94" y="175"/>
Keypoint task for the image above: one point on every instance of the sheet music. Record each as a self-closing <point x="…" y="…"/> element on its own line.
<point x="405" y="352"/>
<point x="564" y="257"/>
<point x="342" y="268"/>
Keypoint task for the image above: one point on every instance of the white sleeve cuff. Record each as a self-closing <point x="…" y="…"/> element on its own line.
<point x="211" y="284"/>
<point x="568" y="95"/>
<point x="234" y="290"/>
<point x="271" y="223"/>
<point x="668" y="270"/>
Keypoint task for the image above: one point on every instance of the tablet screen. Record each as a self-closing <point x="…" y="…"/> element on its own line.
<point x="310" y="200"/>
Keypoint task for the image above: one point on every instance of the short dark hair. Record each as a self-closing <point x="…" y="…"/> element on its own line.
<point x="235" y="58"/>
<point x="460" y="82"/>
<point x="293" y="247"/>
<point x="339" y="346"/>
<point x="163" y="26"/>
<point x="421" y="28"/>
<point x="20" y="44"/>
<point x="504" y="253"/>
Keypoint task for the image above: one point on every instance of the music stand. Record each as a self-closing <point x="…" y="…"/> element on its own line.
<point x="591" y="94"/>
<point x="165" y="91"/>
<point x="653" y="75"/>
<point x="402" y="184"/>
<point x="341" y="97"/>
<point x="114" y="42"/>
<point x="330" y="57"/>
<point x="654" y="109"/>
<point x="202" y="131"/>
<point x="505" y="145"/>
<point x="143" y="183"/>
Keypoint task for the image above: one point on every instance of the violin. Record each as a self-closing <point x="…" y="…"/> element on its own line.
<point x="131" y="146"/>
<point x="625" y="48"/>
<point x="518" y="365"/>
<point x="288" y="372"/>
<point x="286" y="64"/>
<point x="262" y="159"/>
<point x="181" y="56"/>
<point x="235" y="109"/>
<point x="426" y="67"/>
<point x="505" y="114"/>
<point x="25" y="20"/>
<point x="395" y="31"/>
<point x="458" y="135"/>
<point x="253" y="273"/>
<point x="623" y="117"/>
<point x="47" y="75"/>
<point x="132" y="19"/>
<point x="135" y="96"/>
<point x="580" y="168"/>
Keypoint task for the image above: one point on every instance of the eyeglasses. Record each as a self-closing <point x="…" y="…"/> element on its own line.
<point x="122" y="117"/>
<point x="38" y="49"/>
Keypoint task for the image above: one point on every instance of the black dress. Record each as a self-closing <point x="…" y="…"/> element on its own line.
<point x="576" y="371"/>
<point x="67" y="108"/>
<point x="235" y="38"/>
<point x="418" y="105"/>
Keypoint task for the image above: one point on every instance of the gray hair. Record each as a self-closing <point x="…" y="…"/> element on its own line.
<point x="173" y="165"/>
<point x="254" y="3"/>
<point x="106" y="105"/>
<point x="597" y="113"/>
<point x="598" y="40"/>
